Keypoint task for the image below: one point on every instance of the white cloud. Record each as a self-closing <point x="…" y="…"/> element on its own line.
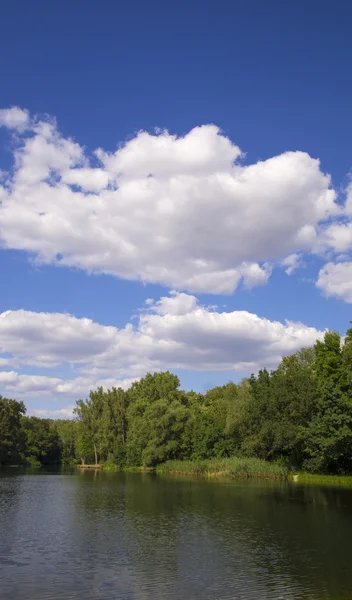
<point x="348" y="191"/>
<point x="175" y="304"/>
<point x="14" y="118"/>
<point x="335" y="279"/>
<point x="90" y="180"/>
<point x="29" y="384"/>
<point x="175" y="332"/>
<point x="49" y="339"/>
<point x="291" y="262"/>
<point x="42" y="385"/>
<point x="65" y="412"/>
<point x="209" y="340"/>
<point x="338" y="236"/>
<point x="202" y="151"/>
<point x="6" y="363"/>
<point x="254" y="275"/>
<point x="180" y="211"/>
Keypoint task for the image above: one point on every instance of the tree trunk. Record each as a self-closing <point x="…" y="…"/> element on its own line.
<point x="95" y="454"/>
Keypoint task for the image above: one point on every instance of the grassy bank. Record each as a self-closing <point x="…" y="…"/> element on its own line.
<point x="225" y="467"/>
<point x="310" y="478"/>
<point x="233" y="468"/>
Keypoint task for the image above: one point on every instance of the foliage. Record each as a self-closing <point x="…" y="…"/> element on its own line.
<point x="42" y="440"/>
<point x="12" y="439"/>
<point x="157" y="416"/>
<point x="68" y="432"/>
<point x="328" y="435"/>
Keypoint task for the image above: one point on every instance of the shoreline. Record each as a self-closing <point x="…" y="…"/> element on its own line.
<point x="240" y="469"/>
<point x="226" y="469"/>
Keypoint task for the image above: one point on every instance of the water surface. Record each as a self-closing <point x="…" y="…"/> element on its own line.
<point x="93" y="535"/>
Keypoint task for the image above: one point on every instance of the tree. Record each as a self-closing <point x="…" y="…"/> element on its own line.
<point x="12" y="440"/>
<point x="161" y="430"/>
<point x="150" y="388"/>
<point x="259" y="415"/>
<point x="90" y="413"/>
<point x="114" y="425"/>
<point x="42" y="440"/>
<point x="293" y="401"/>
<point x="157" y="415"/>
<point x="327" y="437"/>
<point x="68" y="433"/>
<point x="240" y="417"/>
<point x="83" y="444"/>
<point x="207" y="426"/>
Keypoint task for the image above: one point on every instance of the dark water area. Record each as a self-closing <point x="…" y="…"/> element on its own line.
<point x="93" y="535"/>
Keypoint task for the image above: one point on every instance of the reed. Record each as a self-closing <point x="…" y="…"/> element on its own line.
<point x="233" y="467"/>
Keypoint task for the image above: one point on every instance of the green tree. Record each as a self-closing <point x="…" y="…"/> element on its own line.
<point x="157" y="416"/>
<point x="114" y="425"/>
<point x="42" y="440"/>
<point x="162" y="431"/>
<point x="68" y="433"/>
<point x="293" y="401"/>
<point x="240" y="416"/>
<point x="12" y="439"/>
<point x="90" y="414"/>
<point x="258" y="439"/>
<point x="207" y="426"/>
<point x="83" y="444"/>
<point x="327" y="437"/>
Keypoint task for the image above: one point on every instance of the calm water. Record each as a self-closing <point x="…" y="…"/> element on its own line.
<point x="103" y="536"/>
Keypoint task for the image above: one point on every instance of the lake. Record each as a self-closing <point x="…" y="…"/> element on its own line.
<point x="96" y="535"/>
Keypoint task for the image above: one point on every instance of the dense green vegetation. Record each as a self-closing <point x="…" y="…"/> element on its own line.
<point x="298" y="416"/>
<point x="233" y="466"/>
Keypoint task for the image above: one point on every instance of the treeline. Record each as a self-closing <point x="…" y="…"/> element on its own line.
<point x="299" y="414"/>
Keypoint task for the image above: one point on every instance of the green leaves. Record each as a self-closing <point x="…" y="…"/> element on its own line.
<point x="327" y="438"/>
<point x="12" y="439"/>
<point x="42" y="440"/>
<point x="158" y="414"/>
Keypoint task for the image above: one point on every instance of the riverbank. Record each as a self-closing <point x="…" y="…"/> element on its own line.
<point x="231" y="468"/>
<point x="235" y="468"/>
<point x="314" y="478"/>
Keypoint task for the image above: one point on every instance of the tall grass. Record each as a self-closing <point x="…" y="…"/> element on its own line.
<point x="233" y="467"/>
<point x="312" y="478"/>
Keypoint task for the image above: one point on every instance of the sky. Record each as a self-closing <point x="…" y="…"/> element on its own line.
<point x="175" y="190"/>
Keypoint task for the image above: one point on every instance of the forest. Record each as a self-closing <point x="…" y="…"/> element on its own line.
<point x="298" y="415"/>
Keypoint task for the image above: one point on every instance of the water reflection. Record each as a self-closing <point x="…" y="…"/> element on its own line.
<point x="105" y="535"/>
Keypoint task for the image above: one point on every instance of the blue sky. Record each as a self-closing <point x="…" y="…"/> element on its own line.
<point x="87" y="238"/>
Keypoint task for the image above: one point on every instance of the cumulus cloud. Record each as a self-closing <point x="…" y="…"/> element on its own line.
<point x="335" y="279"/>
<point x="88" y="179"/>
<point x="338" y="236"/>
<point x="184" y="211"/>
<point x="174" y="332"/>
<point x="55" y="387"/>
<point x="14" y="118"/>
<point x="49" y="339"/>
<point x="205" y="339"/>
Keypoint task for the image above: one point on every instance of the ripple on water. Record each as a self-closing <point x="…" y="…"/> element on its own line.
<point x="128" y="536"/>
